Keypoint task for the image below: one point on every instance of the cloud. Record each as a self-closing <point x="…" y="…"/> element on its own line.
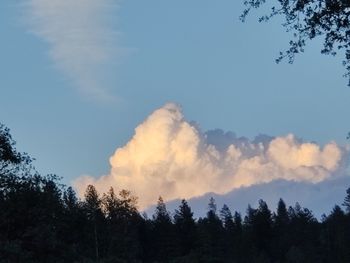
<point x="172" y="157"/>
<point x="81" y="38"/>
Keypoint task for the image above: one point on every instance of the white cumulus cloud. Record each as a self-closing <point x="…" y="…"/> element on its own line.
<point x="81" y="37"/>
<point x="171" y="157"/>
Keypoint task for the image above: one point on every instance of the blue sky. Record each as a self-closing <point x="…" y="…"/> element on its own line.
<point x="195" y="53"/>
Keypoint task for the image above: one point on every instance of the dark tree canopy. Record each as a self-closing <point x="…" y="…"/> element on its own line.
<point x="41" y="220"/>
<point x="308" y="19"/>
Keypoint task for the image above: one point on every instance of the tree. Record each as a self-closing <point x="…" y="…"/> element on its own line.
<point x="304" y="234"/>
<point x="336" y="232"/>
<point x="94" y="214"/>
<point x="281" y="219"/>
<point x="185" y="226"/>
<point x="70" y="199"/>
<point x="164" y="234"/>
<point x="31" y="207"/>
<point x="281" y="231"/>
<point x="73" y="225"/>
<point x="161" y="215"/>
<point x="309" y="19"/>
<point x="211" y="236"/>
<point x="211" y="214"/>
<point x="262" y="227"/>
<point x="122" y="220"/>
<point x="347" y="201"/>
<point x="258" y="226"/>
<point x="227" y="218"/>
<point x="15" y="167"/>
<point x="231" y="231"/>
<point x="8" y="152"/>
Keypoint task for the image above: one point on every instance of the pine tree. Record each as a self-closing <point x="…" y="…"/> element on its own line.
<point x="336" y="236"/>
<point x="164" y="235"/>
<point x="70" y="199"/>
<point x="229" y="231"/>
<point x="185" y="228"/>
<point x="238" y="246"/>
<point x="304" y="233"/>
<point x="211" y="236"/>
<point x="227" y="218"/>
<point x="346" y="202"/>
<point x="237" y="218"/>
<point x="281" y="219"/>
<point x="281" y="232"/>
<point x="211" y="214"/>
<point x="93" y="210"/>
<point x="263" y="227"/>
<point x="161" y="216"/>
<point x="123" y="221"/>
<point x="74" y="225"/>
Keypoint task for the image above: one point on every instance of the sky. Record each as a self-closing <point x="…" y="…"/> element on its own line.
<point x="77" y="79"/>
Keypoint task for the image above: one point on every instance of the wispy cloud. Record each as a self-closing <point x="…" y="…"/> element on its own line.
<point x="170" y="156"/>
<point x="81" y="36"/>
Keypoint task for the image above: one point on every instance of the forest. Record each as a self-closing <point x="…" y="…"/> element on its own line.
<point x="42" y="220"/>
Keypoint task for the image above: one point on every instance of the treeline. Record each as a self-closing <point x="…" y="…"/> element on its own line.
<point x="43" y="221"/>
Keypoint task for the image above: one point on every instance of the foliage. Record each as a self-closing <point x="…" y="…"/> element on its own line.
<point x="346" y="203"/>
<point x="309" y="19"/>
<point x="43" y="221"/>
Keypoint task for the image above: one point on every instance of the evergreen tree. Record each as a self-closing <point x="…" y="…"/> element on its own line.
<point x="336" y="236"/>
<point x="258" y="232"/>
<point x="304" y="233"/>
<point x="281" y="219"/>
<point x="229" y="231"/>
<point x="129" y="223"/>
<point x="94" y="214"/>
<point x="211" y="236"/>
<point x="238" y="246"/>
<point x="42" y="221"/>
<point x="346" y="202"/>
<point x="164" y="235"/>
<point x="70" y="199"/>
<point x="227" y="218"/>
<point x="74" y="225"/>
<point x="161" y="216"/>
<point x="262" y="228"/>
<point x="211" y="214"/>
<point x="237" y="218"/>
<point x="280" y="232"/>
<point x="185" y="226"/>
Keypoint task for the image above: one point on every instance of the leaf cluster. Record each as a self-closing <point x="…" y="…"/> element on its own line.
<point x="308" y="19"/>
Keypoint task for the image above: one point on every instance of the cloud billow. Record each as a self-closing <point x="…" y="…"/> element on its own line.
<point x="81" y="38"/>
<point x="172" y="157"/>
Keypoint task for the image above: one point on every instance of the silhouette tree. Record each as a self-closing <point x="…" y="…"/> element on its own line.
<point x="185" y="226"/>
<point x="73" y="226"/>
<point x="310" y="19"/>
<point x="336" y="236"/>
<point x="211" y="238"/>
<point x="163" y="231"/>
<point x="281" y="232"/>
<point x="346" y="203"/>
<point x="43" y="221"/>
<point x="227" y="218"/>
<point x="262" y="230"/>
<point x="122" y="219"/>
<point x="236" y="244"/>
<point x="230" y="230"/>
<point x="304" y="235"/>
<point x="8" y="152"/>
<point x="94" y="214"/>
